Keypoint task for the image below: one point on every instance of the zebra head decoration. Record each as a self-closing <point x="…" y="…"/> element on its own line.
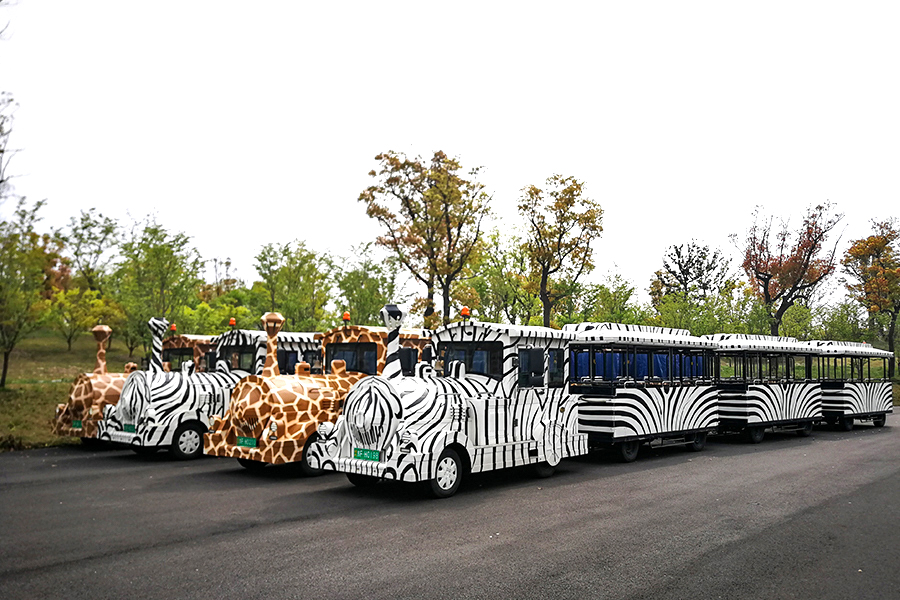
<point x="393" y="319"/>
<point x="101" y="334"/>
<point x="157" y="331"/>
<point x="272" y="323"/>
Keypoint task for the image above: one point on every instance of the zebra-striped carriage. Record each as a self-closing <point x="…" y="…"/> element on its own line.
<point x="495" y="398"/>
<point x="766" y="382"/>
<point x="637" y="384"/>
<point x="159" y="409"/>
<point x="855" y="383"/>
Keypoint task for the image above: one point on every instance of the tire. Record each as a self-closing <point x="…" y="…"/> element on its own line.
<point x="755" y="434"/>
<point x="542" y="470"/>
<point x="845" y="424"/>
<point x="144" y="450"/>
<point x="806" y="430"/>
<point x="628" y="451"/>
<point x="305" y="469"/>
<point x="187" y="443"/>
<point x="362" y="480"/>
<point x="252" y="465"/>
<point x="699" y="442"/>
<point x="448" y="476"/>
<point x="879" y="420"/>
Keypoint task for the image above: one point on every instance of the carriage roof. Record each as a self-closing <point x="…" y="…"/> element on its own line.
<point x="242" y="337"/>
<point x="637" y="335"/>
<point x="744" y="342"/>
<point x="405" y="332"/>
<point x="836" y="348"/>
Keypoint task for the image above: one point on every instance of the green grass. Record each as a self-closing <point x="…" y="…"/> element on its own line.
<point x="40" y="372"/>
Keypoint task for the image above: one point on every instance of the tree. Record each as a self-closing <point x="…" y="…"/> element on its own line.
<point x="158" y="275"/>
<point x="874" y="263"/>
<point x="91" y="238"/>
<point x="561" y="225"/>
<point x="432" y="218"/>
<point x="75" y="311"/>
<point x="784" y="266"/>
<point x="297" y="284"/>
<point x="693" y="270"/>
<point x="841" y="321"/>
<point x="366" y="285"/>
<point x="26" y="260"/>
<point x="500" y="281"/>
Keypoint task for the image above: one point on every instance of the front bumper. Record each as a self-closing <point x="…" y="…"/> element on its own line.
<point x="273" y="452"/>
<point x="64" y="425"/>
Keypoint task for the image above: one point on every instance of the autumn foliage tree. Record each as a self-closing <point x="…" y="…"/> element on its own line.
<point x="561" y="224"/>
<point x="874" y="263"/>
<point x="431" y="213"/>
<point x="786" y="266"/>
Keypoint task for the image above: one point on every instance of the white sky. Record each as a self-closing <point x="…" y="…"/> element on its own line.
<point x="244" y="123"/>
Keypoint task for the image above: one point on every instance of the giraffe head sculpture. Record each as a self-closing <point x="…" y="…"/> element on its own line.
<point x="272" y="323"/>
<point x="158" y="329"/>
<point x="101" y="334"/>
<point x="393" y="319"/>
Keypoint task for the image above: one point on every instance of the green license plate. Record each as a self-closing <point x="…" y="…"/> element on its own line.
<point x="76" y="424"/>
<point x="246" y="442"/>
<point x="366" y="454"/>
<point x="128" y="428"/>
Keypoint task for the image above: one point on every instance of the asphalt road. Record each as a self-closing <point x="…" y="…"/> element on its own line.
<point x="789" y="518"/>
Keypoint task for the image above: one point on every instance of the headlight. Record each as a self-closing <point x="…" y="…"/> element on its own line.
<point x="273" y="426"/>
<point x="150" y="414"/>
<point x="326" y="429"/>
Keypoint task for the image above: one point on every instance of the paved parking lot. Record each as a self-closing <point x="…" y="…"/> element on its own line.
<point x="789" y="518"/>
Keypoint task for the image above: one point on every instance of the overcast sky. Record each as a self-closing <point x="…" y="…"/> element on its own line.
<point x="242" y="123"/>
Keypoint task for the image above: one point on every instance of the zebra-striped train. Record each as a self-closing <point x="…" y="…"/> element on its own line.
<point x="159" y="409"/>
<point x="501" y="396"/>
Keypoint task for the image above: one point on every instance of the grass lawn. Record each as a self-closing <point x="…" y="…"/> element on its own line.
<point x="40" y="373"/>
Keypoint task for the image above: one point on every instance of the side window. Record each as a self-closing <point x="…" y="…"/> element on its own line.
<point x="408" y="359"/>
<point x="661" y="365"/>
<point x="579" y="364"/>
<point x="556" y="374"/>
<point x="287" y="361"/>
<point x="531" y="367"/>
<point x="314" y="358"/>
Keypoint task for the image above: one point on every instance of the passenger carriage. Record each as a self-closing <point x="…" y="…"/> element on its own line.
<point x="766" y="382"/>
<point x="855" y="385"/>
<point x="160" y="409"/>
<point x="89" y="394"/>
<point x="274" y="416"/>
<point x="180" y="349"/>
<point x="637" y="384"/>
<point x="495" y="398"/>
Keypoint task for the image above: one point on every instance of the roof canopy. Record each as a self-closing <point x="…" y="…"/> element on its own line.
<point x="637" y="335"/>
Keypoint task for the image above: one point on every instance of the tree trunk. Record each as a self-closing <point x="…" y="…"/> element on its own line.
<point x="545" y="299"/>
<point x="69" y="343"/>
<point x="890" y="340"/>
<point x="5" y="368"/>
<point x="445" y="291"/>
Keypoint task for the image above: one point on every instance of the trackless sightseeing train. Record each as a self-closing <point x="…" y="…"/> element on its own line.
<point x="273" y="417"/>
<point x="496" y="399"/>
<point x="90" y="393"/>
<point x="159" y="409"/>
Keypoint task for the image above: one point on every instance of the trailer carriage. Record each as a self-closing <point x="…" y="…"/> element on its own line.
<point x="495" y="398"/>
<point x="854" y="383"/>
<point x="638" y="384"/>
<point x="160" y="409"/>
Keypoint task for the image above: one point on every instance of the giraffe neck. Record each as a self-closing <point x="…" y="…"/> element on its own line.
<point x="100" y="365"/>
<point x="271" y="367"/>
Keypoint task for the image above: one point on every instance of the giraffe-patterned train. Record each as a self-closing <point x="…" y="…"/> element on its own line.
<point x="273" y="417"/>
<point x="89" y="393"/>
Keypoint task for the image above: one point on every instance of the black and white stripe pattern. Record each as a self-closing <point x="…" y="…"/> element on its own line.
<point x="393" y="319"/>
<point x="857" y="399"/>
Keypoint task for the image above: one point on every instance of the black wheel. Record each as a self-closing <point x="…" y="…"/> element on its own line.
<point x="845" y="424"/>
<point x="806" y="430"/>
<point x="305" y="468"/>
<point x="252" y="465"/>
<point x="699" y="442"/>
<point x="91" y="442"/>
<point x="628" y="451"/>
<point x="755" y="434"/>
<point x="879" y="420"/>
<point x="144" y="450"/>
<point x="543" y="469"/>
<point x="187" y="443"/>
<point x="362" y="480"/>
<point x="448" y="476"/>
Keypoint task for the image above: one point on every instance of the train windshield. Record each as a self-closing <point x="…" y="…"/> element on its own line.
<point x="480" y="358"/>
<point x="361" y="357"/>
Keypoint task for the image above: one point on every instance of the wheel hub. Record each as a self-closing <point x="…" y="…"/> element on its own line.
<point x="446" y="473"/>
